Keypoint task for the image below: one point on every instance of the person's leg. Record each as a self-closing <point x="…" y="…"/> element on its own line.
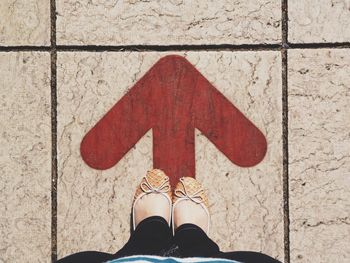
<point x="192" y="241"/>
<point x="191" y="220"/>
<point x="151" y="216"/>
<point x="86" y="257"/>
<point x="192" y="225"/>
<point x="247" y="257"/>
<point x="151" y="237"/>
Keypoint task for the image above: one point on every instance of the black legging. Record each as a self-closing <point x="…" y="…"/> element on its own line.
<point x="154" y="237"/>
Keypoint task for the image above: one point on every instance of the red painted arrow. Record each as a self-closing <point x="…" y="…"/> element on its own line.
<point x="173" y="98"/>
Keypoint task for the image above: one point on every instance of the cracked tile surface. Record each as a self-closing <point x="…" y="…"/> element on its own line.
<point x="94" y="206"/>
<point x="319" y="143"/>
<point x="25" y="154"/>
<point x="25" y="22"/>
<point x="130" y="22"/>
<point x="321" y="21"/>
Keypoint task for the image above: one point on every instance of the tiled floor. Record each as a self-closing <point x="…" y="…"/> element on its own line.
<point x="285" y="65"/>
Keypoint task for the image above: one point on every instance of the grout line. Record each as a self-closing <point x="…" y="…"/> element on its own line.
<point x="284" y="53"/>
<point x="164" y="48"/>
<point x="53" y="54"/>
<point x="25" y="48"/>
<point x="318" y="45"/>
<point x="284" y="27"/>
<point x="53" y="157"/>
<point x="285" y="155"/>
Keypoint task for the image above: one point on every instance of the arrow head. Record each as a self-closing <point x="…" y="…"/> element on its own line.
<point x="173" y="98"/>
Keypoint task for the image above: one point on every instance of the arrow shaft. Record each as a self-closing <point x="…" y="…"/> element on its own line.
<point x="173" y="132"/>
<point x="173" y="152"/>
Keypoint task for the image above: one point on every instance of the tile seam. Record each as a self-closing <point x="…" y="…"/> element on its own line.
<point x="285" y="155"/>
<point x="164" y="48"/>
<point x="25" y="48"/>
<point x="318" y="45"/>
<point x="53" y="57"/>
<point x="284" y="53"/>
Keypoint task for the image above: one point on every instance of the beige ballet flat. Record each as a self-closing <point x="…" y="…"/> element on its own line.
<point x="189" y="188"/>
<point x="155" y="181"/>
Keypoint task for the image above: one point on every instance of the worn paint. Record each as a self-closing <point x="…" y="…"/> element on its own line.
<point x="173" y="98"/>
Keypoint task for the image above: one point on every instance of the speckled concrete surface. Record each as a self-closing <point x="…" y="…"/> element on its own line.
<point x="173" y="22"/>
<point x="246" y="203"/>
<point x="25" y="153"/>
<point x="319" y="99"/>
<point x="25" y="22"/>
<point x="319" y="21"/>
<point x="98" y="203"/>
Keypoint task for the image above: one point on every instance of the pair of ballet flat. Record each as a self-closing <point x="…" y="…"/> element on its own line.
<point x="188" y="188"/>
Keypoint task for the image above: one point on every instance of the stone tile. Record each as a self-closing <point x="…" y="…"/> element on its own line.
<point x="319" y="21"/>
<point x="94" y="206"/>
<point x="319" y="143"/>
<point x="25" y="22"/>
<point x="130" y="22"/>
<point x="25" y="157"/>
